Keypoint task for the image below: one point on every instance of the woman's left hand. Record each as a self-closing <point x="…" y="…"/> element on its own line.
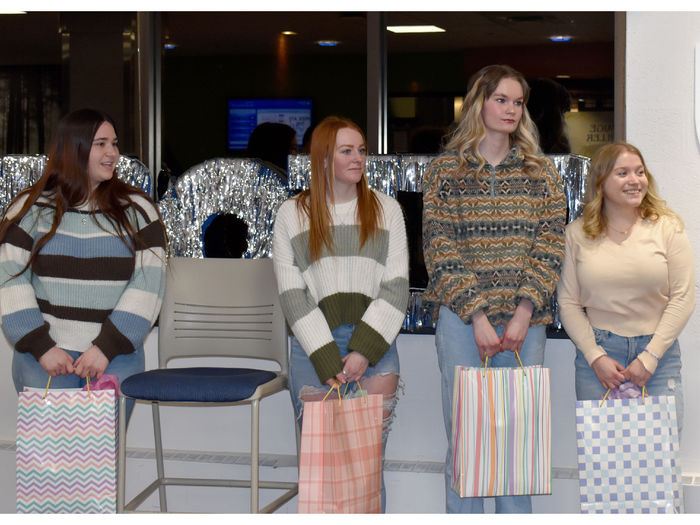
<point x="516" y="329"/>
<point x="92" y="363"/>
<point x="636" y="373"/>
<point x="354" y="366"/>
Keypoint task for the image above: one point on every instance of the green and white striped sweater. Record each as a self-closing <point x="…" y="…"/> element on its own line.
<point x="366" y="287"/>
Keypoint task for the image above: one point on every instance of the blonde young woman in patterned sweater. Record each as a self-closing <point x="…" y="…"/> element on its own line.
<point x="341" y="261"/>
<point x="493" y="239"/>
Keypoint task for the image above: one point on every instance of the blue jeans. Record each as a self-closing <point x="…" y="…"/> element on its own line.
<point x="666" y="380"/>
<point x="302" y="373"/>
<point x="456" y="347"/>
<point x="26" y="371"/>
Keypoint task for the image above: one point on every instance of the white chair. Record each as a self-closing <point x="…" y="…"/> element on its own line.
<point x="221" y="308"/>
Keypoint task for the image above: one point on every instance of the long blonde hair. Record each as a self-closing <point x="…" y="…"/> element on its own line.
<point x="470" y="131"/>
<point x="602" y="164"/>
<point x="313" y="201"/>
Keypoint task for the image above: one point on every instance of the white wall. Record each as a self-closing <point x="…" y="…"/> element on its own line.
<point x="660" y="105"/>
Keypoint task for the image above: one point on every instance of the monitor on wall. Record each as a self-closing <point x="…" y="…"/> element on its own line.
<point x="245" y="114"/>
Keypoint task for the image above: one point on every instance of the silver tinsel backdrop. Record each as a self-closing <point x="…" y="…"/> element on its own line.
<point x="254" y="191"/>
<point x="18" y="172"/>
<point x="245" y="187"/>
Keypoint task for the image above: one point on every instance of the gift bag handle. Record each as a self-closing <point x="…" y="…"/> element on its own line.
<point x="48" y="384"/>
<point x="644" y="392"/>
<point x="486" y="363"/>
<point x="336" y="386"/>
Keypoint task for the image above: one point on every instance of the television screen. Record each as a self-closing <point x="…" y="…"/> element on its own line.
<point x="245" y="114"/>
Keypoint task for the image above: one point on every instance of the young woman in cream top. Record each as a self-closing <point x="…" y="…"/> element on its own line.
<point x="627" y="287"/>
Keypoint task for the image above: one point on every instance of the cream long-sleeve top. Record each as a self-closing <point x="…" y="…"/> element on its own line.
<point x="644" y="285"/>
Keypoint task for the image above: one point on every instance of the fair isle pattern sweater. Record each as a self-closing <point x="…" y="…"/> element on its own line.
<point x="489" y="243"/>
<point x="366" y="287"/>
<point x="86" y="287"/>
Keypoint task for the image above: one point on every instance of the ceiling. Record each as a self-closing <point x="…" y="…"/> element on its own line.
<point x="34" y="38"/>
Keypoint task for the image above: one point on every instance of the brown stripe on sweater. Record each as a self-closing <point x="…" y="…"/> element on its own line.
<point x="93" y="269"/>
<point x="16" y="236"/>
<point x="152" y="235"/>
<point x="72" y="313"/>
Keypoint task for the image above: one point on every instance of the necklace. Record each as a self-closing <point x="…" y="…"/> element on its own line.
<point x="623" y="232"/>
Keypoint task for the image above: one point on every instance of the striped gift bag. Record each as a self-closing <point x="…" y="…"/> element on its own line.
<point x="501" y="431"/>
<point x="340" y="464"/>
<point x="66" y="451"/>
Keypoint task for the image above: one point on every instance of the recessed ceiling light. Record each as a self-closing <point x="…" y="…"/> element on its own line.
<point x="560" y="38"/>
<point x="13" y="12"/>
<point x="415" y="29"/>
<point x="289" y="33"/>
<point x="563" y="76"/>
<point x="169" y="45"/>
<point x="327" y="43"/>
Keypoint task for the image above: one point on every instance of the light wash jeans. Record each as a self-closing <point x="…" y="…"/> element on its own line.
<point x="666" y="380"/>
<point x="26" y="371"/>
<point x="456" y="347"/>
<point x="302" y="373"/>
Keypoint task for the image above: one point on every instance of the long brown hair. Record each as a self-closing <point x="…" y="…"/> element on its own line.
<point x="470" y="130"/>
<point x="313" y="201"/>
<point x="602" y="164"/>
<point x="66" y="184"/>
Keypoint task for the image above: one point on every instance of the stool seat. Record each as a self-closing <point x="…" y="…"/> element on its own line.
<point x="196" y="385"/>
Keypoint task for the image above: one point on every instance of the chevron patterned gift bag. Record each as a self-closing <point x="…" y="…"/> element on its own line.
<point x="66" y="452"/>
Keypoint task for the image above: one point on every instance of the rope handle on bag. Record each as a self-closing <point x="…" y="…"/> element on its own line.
<point x="644" y="393"/>
<point x="486" y="363"/>
<point x="48" y="384"/>
<point x="336" y="386"/>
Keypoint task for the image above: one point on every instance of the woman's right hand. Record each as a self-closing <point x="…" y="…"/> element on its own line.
<point x="609" y="372"/>
<point x="56" y="362"/>
<point x="485" y="336"/>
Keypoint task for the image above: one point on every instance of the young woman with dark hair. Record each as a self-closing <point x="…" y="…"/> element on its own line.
<point x="82" y="259"/>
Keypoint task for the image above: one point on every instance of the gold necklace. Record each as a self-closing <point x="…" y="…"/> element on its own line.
<point x="623" y="232"/>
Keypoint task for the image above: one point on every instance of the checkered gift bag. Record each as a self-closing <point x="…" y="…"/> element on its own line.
<point x="629" y="456"/>
<point x="340" y="465"/>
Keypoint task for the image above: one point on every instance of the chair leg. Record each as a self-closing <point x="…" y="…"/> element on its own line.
<point x="159" y="456"/>
<point x="121" y="460"/>
<point x="255" y="455"/>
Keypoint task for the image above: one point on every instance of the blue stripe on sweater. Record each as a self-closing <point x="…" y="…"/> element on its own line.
<point x="61" y="244"/>
<point x="19" y="324"/>
<point x="134" y="327"/>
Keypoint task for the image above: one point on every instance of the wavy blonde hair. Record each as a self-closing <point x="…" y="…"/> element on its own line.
<point x="470" y="131"/>
<point x="602" y="165"/>
<point x="313" y="201"/>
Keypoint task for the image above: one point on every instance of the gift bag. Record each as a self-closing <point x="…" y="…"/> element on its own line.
<point x="66" y="451"/>
<point x="501" y="431"/>
<point x="629" y="456"/>
<point x="340" y="464"/>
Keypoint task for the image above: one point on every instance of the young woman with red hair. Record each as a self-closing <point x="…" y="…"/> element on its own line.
<point x="341" y="261"/>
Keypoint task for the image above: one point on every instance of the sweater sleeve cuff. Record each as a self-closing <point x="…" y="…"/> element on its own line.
<point x="326" y="361"/>
<point x="112" y="342"/>
<point x="367" y="341"/>
<point x="649" y="361"/>
<point x="593" y="354"/>
<point x="37" y="342"/>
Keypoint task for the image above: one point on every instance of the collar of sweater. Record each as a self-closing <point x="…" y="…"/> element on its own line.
<point x="514" y="157"/>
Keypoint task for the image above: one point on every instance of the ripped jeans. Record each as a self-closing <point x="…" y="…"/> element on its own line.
<point x="302" y="375"/>
<point x="666" y="380"/>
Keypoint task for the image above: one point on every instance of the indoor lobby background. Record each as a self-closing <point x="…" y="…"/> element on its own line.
<point x="167" y="77"/>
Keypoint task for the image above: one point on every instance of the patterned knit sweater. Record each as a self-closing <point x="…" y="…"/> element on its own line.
<point x="493" y="240"/>
<point x="366" y="287"/>
<point x="85" y="287"/>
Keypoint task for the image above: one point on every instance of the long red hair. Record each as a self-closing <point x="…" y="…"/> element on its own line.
<point x="313" y="201"/>
<point x="65" y="182"/>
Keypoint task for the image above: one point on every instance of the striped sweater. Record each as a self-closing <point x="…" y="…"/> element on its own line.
<point x="366" y="287"/>
<point x="85" y="287"/>
<point x="490" y="242"/>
